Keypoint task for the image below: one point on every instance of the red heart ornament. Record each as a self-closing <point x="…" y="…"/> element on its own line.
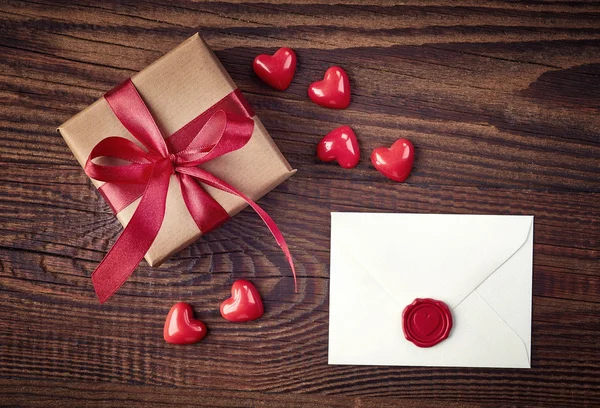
<point x="426" y="322"/>
<point x="181" y="327"/>
<point x="396" y="162"/>
<point x="244" y="304"/>
<point x="333" y="91"/>
<point x="340" y="144"/>
<point x="277" y="70"/>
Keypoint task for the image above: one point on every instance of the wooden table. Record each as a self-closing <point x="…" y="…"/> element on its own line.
<point x="500" y="98"/>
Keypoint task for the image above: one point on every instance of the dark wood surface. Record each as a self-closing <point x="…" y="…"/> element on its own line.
<point x="501" y="100"/>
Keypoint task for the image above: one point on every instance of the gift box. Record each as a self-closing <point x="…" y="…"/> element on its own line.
<point x="188" y="99"/>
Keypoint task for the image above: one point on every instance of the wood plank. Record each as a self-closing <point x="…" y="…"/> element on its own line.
<point x="60" y="394"/>
<point x="499" y="98"/>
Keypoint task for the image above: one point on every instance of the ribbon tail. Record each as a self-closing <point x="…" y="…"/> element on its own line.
<point x="204" y="209"/>
<point x="129" y="249"/>
<point x="215" y="182"/>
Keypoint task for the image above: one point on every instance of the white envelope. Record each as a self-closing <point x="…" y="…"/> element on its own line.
<point x="479" y="265"/>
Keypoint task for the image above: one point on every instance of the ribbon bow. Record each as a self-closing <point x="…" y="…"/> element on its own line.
<point x="212" y="134"/>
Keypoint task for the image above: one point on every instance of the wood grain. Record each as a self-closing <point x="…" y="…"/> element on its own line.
<point x="501" y="100"/>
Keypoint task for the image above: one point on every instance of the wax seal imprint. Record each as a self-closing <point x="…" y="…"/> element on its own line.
<point x="426" y="322"/>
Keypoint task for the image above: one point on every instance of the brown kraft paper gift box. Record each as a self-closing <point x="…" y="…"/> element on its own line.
<point x="177" y="88"/>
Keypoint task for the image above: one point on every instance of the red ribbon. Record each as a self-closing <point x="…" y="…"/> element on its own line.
<point x="223" y="128"/>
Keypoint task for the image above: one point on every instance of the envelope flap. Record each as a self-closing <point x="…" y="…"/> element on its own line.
<point x="430" y="255"/>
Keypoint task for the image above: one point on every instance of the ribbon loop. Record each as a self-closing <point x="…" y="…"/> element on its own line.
<point x="223" y="133"/>
<point x="137" y="171"/>
<point x="148" y="174"/>
<point x="128" y="106"/>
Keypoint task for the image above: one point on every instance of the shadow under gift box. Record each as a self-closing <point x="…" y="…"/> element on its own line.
<point x="177" y="88"/>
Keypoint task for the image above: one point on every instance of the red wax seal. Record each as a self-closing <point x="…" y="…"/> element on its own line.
<point x="426" y="322"/>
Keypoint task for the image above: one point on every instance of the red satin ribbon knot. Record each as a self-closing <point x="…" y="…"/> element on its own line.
<point x="223" y="128"/>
